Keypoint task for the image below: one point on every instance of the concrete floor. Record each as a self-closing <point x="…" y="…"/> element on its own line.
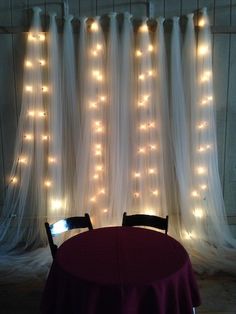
<point x="218" y="295"/>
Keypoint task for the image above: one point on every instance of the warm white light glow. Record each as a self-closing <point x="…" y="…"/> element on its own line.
<point x="155" y="192"/>
<point x="28" y="137"/>
<point x="143" y="28"/>
<point x="31" y="113"/>
<point x="198" y="212"/>
<point x="93" y="199"/>
<point x="41" y="37"/>
<point x="51" y="160"/>
<point x="150" y="211"/>
<point x="202" y="22"/>
<point x="195" y="193"/>
<point x="153" y="147"/>
<point x="202" y="125"/>
<point x="137" y="174"/>
<point x="29" y="88"/>
<point x="141" y="77"/>
<point x="56" y="204"/>
<point x="23" y="160"/>
<point x="202" y="50"/>
<point x="201" y="170"/>
<point x="94" y="26"/>
<point x="44" y="89"/>
<point x="189" y="235"/>
<point x="14" y="180"/>
<point x="150" y="48"/>
<point x="28" y="64"/>
<point x="142" y="150"/>
<point x="136" y="195"/>
<point x="138" y="53"/>
<point x="203" y="186"/>
<point x="45" y="137"/>
<point x="151" y="171"/>
<point x="42" y="62"/>
<point x="96" y="176"/>
<point x="48" y="183"/>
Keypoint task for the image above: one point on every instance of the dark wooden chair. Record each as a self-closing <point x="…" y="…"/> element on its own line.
<point x="64" y="225"/>
<point x="145" y="220"/>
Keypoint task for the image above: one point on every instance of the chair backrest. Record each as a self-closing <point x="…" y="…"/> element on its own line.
<point x="145" y="220"/>
<point x="64" y="225"/>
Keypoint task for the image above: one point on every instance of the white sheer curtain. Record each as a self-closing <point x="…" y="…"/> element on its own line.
<point x="108" y="125"/>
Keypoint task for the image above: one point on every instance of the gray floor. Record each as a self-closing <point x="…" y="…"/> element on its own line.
<point x="218" y="295"/>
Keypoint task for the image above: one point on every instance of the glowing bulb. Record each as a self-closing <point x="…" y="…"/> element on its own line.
<point x="42" y="114"/>
<point x="210" y="97"/>
<point x="198" y="212"/>
<point x="93" y="105"/>
<point x="195" y="193"/>
<point x="29" y="88"/>
<point x="138" y="53"/>
<point x="45" y="137"/>
<point x="201" y="170"/>
<point x="14" y="180"/>
<point x="99" y="47"/>
<point x="155" y="192"/>
<point x="141" y="77"/>
<point x="203" y="50"/>
<point x="99" y="168"/>
<point x="23" y="160"/>
<point x="136" y="195"/>
<point x="31" y="113"/>
<point x="142" y="150"/>
<point x="151" y="124"/>
<point x="44" y="89"/>
<point x="151" y="171"/>
<point x="51" y="160"/>
<point x="94" y="53"/>
<point x="95" y="176"/>
<point x="103" y="98"/>
<point x="28" y="64"/>
<point x="203" y="186"/>
<point x="56" y="204"/>
<point x="143" y="127"/>
<point x="28" y="137"/>
<point x="93" y="199"/>
<point x="31" y="37"/>
<point x="202" y="22"/>
<point x="153" y="147"/>
<point x="94" y="26"/>
<point x="143" y="28"/>
<point x="47" y="183"/>
<point x="150" y="73"/>
<point x="102" y="191"/>
<point x="202" y="125"/>
<point x="42" y="62"/>
<point x="137" y="174"/>
<point x="201" y="149"/>
<point x="150" y="48"/>
<point x="105" y="210"/>
<point x="41" y="37"/>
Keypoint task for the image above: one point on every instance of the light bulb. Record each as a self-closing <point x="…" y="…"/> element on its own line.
<point x="201" y="22"/>
<point x="137" y="174"/>
<point x="41" y="37"/>
<point x="42" y="62"/>
<point x="28" y="137"/>
<point x="99" y="47"/>
<point x="29" y="88"/>
<point x="142" y="150"/>
<point x="94" y="26"/>
<point x="44" y="137"/>
<point x="143" y="28"/>
<point x="51" y="160"/>
<point x="14" y="180"/>
<point x="103" y="98"/>
<point x="150" y="48"/>
<point x="138" y="53"/>
<point x="102" y="191"/>
<point x="96" y="176"/>
<point x="48" y="183"/>
<point x="31" y="113"/>
<point x="195" y="193"/>
<point x="44" y="89"/>
<point x="198" y="212"/>
<point x="28" y="64"/>
<point x="99" y="168"/>
<point x="151" y="171"/>
<point x="141" y="77"/>
<point x="203" y="186"/>
<point x="93" y="199"/>
<point x="201" y="170"/>
<point x="105" y="210"/>
<point x="153" y="147"/>
<point x="22" y="160"/>
<point x="155" y="192"/>
<point x="136" y="195"/>
<point x="202" y="125"/>
<point x="202" y="50"/>
<point x="56" y="204"/>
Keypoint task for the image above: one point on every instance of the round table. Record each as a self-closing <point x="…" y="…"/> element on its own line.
<point x="121" y="270"/>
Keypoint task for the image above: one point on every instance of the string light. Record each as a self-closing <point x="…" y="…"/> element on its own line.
<point x="94" y="26"/>
<point x="155" y="192"/>
<point x="151" y="171"/>
<point x="28" y="64"/>
<point x="138" y="53"/>
<point x="150" y="48"/>
<point x="195" y="193"/>
<point x="51" y="160"/>
<point x="42" y="62"/>
<point x="93" y="199"/>
<point x="48" y="183"/>
<point x="202" y="125"/>
<point x="28" y="137"/>
<point x="44" y="89"/>
<point x="14" y="180"/>
<point x="136" y="195"/>
<point x="198" y="212"/>
<point x="44" y="137"/>
<point x="203" y="50"/>
<point x="203" y="186"/>
<point x="143" y="28"/>
<point x="56" y="204"/>
<point x="29" y="88"/>
<point x="202" y="22"/>
<point x="137" y="174"/>
<point x="201" y="170"/>
<point x="22" y="160"/>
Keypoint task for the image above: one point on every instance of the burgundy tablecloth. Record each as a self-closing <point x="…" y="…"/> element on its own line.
<point x="121" y="270"/>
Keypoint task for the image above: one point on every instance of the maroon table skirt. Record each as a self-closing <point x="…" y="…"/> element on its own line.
<point x="121" y="270"/>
